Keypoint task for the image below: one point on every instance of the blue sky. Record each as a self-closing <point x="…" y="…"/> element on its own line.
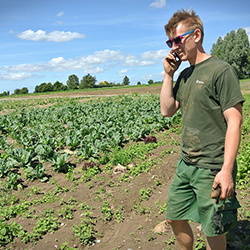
<point x="46" y="41"/>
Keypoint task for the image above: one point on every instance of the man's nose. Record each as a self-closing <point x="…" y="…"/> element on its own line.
<point x="174" y="46"/>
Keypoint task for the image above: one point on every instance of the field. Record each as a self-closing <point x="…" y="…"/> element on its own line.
<point x="91" y="170"/>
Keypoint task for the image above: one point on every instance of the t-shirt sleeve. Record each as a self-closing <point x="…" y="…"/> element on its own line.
<point x="228" y="89"/>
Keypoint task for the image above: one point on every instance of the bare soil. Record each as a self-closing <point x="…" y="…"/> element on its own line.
<point x="136" y="231"/>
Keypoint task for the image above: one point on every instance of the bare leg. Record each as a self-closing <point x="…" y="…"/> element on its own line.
<point x="217" y="242"/>
<point x="183" y="233"/>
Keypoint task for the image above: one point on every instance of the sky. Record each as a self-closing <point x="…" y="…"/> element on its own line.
<point x="49" y="40"/>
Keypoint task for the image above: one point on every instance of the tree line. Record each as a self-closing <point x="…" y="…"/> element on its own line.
<point x="73" y="83"/>
<point x="234" y="48"/>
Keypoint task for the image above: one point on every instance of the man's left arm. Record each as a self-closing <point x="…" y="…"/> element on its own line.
<point x="234" y="121"/>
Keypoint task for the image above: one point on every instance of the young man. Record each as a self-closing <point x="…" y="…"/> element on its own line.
<point x="210" y="100"/>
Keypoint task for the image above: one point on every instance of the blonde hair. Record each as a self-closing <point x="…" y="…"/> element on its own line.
<point x="188" y="18"/>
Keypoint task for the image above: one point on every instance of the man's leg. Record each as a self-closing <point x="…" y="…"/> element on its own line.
<point x="183" y="233"/>
<point x="217" y="242"/>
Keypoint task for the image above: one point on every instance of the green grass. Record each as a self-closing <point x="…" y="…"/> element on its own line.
<point x="245" y="85"/>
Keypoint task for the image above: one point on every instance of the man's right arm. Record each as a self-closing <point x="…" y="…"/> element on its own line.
<point x="169" y="105"/>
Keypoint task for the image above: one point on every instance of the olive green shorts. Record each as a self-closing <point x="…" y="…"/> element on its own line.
<point x="189" y="199"/>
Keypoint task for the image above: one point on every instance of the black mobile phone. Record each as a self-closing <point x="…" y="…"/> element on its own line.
<point x="176" y="56"/>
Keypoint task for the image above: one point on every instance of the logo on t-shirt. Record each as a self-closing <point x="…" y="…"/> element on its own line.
<point x="198" y="81"/>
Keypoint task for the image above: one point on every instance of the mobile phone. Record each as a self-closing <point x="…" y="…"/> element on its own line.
<point x="177" y="58"/>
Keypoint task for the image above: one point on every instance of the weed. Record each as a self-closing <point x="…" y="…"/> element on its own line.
<point x="65" y="246"/>
<point x="6" y="196"/>
<point x="85" y="231"/>
<point x="171" y="241"/>
<point x="8" y="232"/>
<point x="106" y="210"/>
<point x="124" y="177"/>
<point x="118" y="214"/>
<point x="35" y="190"/>
<point x="66" y="212"/>
<point x="163" y="208"/>
<point x="89" y="173"/>
<point x="151" y="237"/>
<point x="45" y="225"/>
<point x="145" y="193"/>
<point x="200" y="244"/>
<point x="12" y="180"/>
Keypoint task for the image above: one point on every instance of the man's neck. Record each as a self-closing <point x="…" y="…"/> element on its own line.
<point x="199" y="57"/>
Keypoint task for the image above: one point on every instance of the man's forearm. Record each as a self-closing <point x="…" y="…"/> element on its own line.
<point x="233" y="117"/>
<point x="232" y="142"/>
<point x="233" y="136"/>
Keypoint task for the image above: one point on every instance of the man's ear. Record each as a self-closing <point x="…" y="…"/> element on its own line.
<point x="197" y="35"/>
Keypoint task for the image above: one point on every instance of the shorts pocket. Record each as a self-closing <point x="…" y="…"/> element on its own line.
<point x="225" y="215"/>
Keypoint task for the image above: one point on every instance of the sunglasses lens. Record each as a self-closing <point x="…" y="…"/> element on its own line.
<point x="177" y="40"/>
<point x="169" y="43"/>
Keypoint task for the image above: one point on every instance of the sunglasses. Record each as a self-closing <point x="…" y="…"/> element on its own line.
<point x="177" y="40"/>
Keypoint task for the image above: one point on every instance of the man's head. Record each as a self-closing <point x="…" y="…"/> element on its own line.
<point x="188" y="19"/>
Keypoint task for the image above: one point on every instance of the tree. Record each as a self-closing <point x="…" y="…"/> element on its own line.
<point x="234" y="49"/>
<point x="5" y="93"/>
<point x="38" y="88"/>
<point x="150" y="81"/>
<point x="48" y="87"/>
<point x="58" y="86"/>
<point x="43" y="87"/>
<point x="87" y="81"/>
<point x="72" y="82"/>
<point x="16" y="91"/>
<point x="138" y="83"/>
<point x="22" y="91"/>
<point x="125" y="81"/>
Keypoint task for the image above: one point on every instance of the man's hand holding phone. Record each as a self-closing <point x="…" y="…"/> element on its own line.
<point x="171" y="63"/>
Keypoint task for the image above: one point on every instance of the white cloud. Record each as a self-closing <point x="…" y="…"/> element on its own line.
<point x="158" y="4"/>
<point x="23" y="67"/>
<point x="154" y="55"/>
<point x="147" y="77"/>
<point x="247" y="29"/>
<point x="16" y="76"/>
<point x="86" y="63"/>
<point x="248" y="32"/>
<point x="161" y="73"/>
<point x="96" y="63"/>
<point x="132" y="61"/>
<point x="60" y="14"/>
<point x="123" y="71"/>
<point x="54" y="36"/>
<point x="55" y="62"/>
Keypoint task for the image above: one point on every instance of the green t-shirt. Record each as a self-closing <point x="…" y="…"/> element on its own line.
<point x="204" y="91"/>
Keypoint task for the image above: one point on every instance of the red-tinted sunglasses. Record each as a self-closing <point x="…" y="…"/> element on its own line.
<point x="177" y="40"/>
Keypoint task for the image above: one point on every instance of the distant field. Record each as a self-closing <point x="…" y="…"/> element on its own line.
<point x="245" y="85"/>
<point x="111" y="91"/>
